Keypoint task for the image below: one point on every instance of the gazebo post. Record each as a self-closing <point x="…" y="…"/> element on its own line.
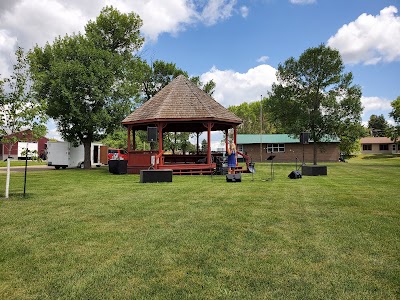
<point x="129" y="138"/>
<point x="160" y="138"/>
<point x="209" y="143"/>
<point x="226" y="140"/>
<point x="197" y="143"/>
<point x="234" y="135"/>
<point x="133" y="146"/>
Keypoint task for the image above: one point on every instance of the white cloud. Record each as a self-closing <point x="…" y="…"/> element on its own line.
<point x="160" y="16"/>
<point x="52" y="132"/>
<point x="244" y="11"/>
<point x="38" y="21"/>
<point x="369" y="39"/>
<point x="217" y="10"/>
<point x="31" y="22"/>
<point x="263" y="59"/>
<point x="302" y="1"/>
<point x="233" y="88"/>
<point x="375" y="106"/>
<point x="7" y="49"/>
<point x="372" y="104"/>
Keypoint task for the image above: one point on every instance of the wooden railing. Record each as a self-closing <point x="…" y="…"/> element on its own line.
<point x="159" y="160"/>
<point x="246" y="157"/>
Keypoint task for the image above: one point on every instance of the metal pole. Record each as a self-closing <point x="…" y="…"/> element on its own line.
<point x="261" y="129"/>
<point x="26" y="166"/>
<point x="8" y="177"/>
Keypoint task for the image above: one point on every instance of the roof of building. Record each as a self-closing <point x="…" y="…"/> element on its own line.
<point x="273" y="139"/>
<point x="181" y="99"/>
<point x="376" y="140"/>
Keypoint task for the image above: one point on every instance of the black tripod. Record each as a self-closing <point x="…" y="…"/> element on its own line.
<point x="271" y="158"/>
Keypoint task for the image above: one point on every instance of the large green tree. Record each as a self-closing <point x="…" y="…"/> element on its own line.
<point x="20" y="110"/>
<point x="393" y="132"/>
<point x="89" y="80"/>
<point x="314" y="94"/>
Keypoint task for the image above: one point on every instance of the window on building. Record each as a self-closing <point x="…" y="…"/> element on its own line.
<point x="383" y="147"/>
<point x="367" y="147"/>
<point x="275" y="148"/>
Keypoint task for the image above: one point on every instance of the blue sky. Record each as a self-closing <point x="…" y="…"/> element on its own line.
<point x="238" y="44"/>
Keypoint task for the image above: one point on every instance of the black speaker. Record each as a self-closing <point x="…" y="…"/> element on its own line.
<point x="304" y="137"/>
<point x="163" y="175"/>
<point x="151" y="134"/>
<point x="233" y="177"/>
<point x="116" y="166"/>
<point x="294" y="175"/>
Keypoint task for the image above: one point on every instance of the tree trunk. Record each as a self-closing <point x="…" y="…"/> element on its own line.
<point x="10" y="145"/>
<point x="87" y="158"/>
<point x="315" y="153"/>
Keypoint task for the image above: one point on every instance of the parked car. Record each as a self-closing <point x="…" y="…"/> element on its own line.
<point x="114" y="153"/>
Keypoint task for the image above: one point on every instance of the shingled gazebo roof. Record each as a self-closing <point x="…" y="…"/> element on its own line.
<point x="181" y="101"/>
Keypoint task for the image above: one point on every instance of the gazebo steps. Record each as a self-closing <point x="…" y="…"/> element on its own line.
<point x="197" y="169"/>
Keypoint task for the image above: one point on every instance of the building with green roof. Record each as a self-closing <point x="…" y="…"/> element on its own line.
<point x="286" y="148"/>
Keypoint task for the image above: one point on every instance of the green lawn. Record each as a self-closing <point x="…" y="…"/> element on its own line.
<point x="93" y="235"/>
<point x="19" y="163"/>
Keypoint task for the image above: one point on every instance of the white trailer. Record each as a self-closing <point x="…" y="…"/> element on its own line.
<point x="31" y="146"/>
<point x="65" y="155"/>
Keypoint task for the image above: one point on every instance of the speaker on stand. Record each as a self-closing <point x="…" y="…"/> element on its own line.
<point x="304" y="137"/>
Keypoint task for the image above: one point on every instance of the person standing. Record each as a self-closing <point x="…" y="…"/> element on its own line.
<point x="231" y="158"/>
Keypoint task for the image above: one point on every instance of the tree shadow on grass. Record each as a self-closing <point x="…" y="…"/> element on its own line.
<point x="380" y="156"/>
<point x="17" y="196"/>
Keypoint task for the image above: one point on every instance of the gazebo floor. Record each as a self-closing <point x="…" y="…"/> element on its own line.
<point x="196" y="169"/>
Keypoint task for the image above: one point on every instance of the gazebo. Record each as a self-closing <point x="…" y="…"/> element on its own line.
<point x="179" y="107"/>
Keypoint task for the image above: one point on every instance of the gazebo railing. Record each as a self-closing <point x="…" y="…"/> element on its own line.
<point x="246" y="157"/>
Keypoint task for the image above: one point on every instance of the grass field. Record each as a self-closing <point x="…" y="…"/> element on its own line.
<point x="92" y="235"/>
<point x="19" y="163"/>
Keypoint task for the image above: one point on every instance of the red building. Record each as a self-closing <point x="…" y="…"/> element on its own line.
<point x="24" y="139"/>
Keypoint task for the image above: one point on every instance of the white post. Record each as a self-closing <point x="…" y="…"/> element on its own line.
<point x="8" y="177"/>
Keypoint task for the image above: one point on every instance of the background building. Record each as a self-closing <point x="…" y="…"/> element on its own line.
<point x="286" y="148"/>
<point x="24" y="139"/>
<point x="378" y="145"/>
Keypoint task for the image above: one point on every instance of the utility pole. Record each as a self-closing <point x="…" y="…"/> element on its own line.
<point x="261" y="121"/>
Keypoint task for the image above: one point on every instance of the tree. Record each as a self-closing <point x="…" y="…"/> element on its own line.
<point x="177" y="141"/>
<point x="116" y="139"/>
<point x="159" y="74"/>
<point x="393" y="132"/>
<point x="395" y="113"/>
<point x="349" y="135"/>
<point x="255" y="119"/>
<point x="208" y="87"/>
<point x="20" y="111"/>
<point x="88" y="80"/>
<point x="377" y="125"/>
<point x="314" y="94"/>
